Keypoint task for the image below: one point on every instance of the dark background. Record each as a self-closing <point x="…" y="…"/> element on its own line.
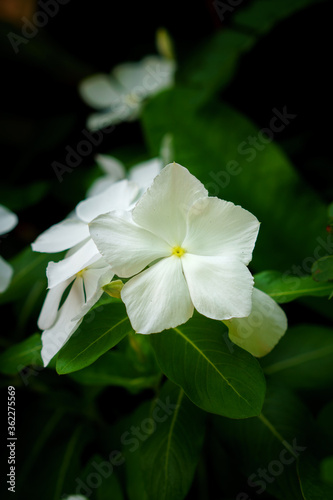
<point x="41" y="111"/>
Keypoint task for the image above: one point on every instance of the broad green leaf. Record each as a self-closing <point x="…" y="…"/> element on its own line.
<point x="322" y="269"/>
<point x="216" y="376"/>
<point x="16" y="357"/>
<point x="268" y="447"/>
<point x="169" y="456"/>
<point x="303" y="358"/>
<point x="115" y="368"/>
<point x="101" y="330"/>
<point x="214" y="143"/>
<point x="285" y="288"/>
<point x="29" y="271"/>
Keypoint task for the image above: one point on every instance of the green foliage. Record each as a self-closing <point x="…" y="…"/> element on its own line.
<point x="285" y="288"/>
<point x="100" y="330"/>
<point x="217" y="376"/>
<point x="25" y="353"/>
<point x="269" y="446"/>
<point x="322" y="269"/>
<point x="170" y="455"/>
<point x="303" y="358"/>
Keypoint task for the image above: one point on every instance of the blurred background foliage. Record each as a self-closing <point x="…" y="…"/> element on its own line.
<point x="232" y="74"/>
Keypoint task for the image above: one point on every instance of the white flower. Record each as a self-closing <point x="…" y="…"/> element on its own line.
<point x="120" y="95"/>
<point x="8" y="220"/>
<point x="83" y="267"/>
<point x="73" y="233"/>
<point x="262" y="329"/>
<point x="142" y="174"/>
<point x="75" y="497"/>
<point x="60" y="323"/>
<point x="198" y="248"/>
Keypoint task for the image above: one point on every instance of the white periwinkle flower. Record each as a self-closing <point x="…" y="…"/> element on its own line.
<point x="197" y="247"/>
<point x="60" y="323"/>
<point x="262" y="329"/>
<point x="83" y="268"/>
<point x="8" y="220"/>
<point x="119" y="96"/>
<point x="142" y="173"/>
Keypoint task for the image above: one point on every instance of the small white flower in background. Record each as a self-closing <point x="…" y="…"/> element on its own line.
<point x="8" y="220"/>
<point x="83" y="267"/>
<point x="76" y="497"/>
<point x="120" y="96"/>
<point x="142" y="174"/>
<point x="262" y="329"/>
<point x="198" y="248"/>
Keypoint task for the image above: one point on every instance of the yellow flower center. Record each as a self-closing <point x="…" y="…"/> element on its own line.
<point x="80" y="273"/>
<point x="178" y="251"/>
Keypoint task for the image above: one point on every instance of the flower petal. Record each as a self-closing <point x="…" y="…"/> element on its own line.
<point x="55" y="337"/>
<point x="144" y="173"/>
<point x="57" y="272"/>
<point x="113" y="116"/>
<point x="111" y="166"/>
<point x="262" y="329"/>
<point x="61" y="236"/>
<point x="118" y="196"/>
<point x="6" y="273"/>
<point x="158" y="298"/>
<point x="8" y="220"/>
<point x="115" y="172"/>
<point x="85" y="292"/>
<point x="218" y="227"/>
<point x="50" y="307"/>
<point x="220" y="288"/>
<point x="127" y="247"/>
<point x="163" y="207"/>
<point x="95" y="277"/>
<point x="100" y="91"/>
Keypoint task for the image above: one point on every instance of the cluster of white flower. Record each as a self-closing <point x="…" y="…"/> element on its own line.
<point x="83" y="270"/>
<point x="180" y="248"/>
<point x="8" y="220"/>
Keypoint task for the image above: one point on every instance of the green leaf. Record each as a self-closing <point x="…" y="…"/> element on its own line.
<point x="285" y="288"/>
<point x="29" y="268"/>
<point x="17" y="198"/>
<point x="216" y="376"/>
<point x="101" y="330"/>
<point x="303" y="358"/>
<point x="14" y="359"/>
<point x="169" y="456"/>
<point x="114" y="368"/>
<point x="267" y="447"/>
<point x="322" y="269"/>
